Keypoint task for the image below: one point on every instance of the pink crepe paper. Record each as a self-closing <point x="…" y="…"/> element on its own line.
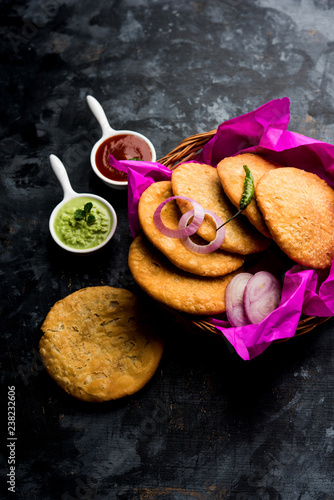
<point x="264" y="131"/>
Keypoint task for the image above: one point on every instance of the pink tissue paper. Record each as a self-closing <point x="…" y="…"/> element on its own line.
<point x="264" y="131"/>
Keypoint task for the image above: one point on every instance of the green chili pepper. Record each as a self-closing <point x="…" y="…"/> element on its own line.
<point x="246" y="196"/>
<point x="248" y="192"/>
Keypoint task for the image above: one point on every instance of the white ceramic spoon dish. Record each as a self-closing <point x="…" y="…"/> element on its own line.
<point x="107" y="132"/>
<point x="69" y="194"/>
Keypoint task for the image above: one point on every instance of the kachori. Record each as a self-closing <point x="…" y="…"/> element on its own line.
<point x="171" y="286"/>
<point x="201" y="183"/>
<point x="99" y="344"/>
<point x="216" y="263"/>
<point x="231" y="175"/>
<point x="298" y="208"/>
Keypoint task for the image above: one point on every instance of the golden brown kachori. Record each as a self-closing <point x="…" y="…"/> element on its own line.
<point x="99" y="345"/>
<point x="216" y="263"/>
<point x="171" y="286"/>
<point x="298" y="208"/>
<point x="232" y="175"/>
<point x="201" y="183"/>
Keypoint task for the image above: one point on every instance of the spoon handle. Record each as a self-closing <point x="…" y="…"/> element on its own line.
<point x="100" y="115"/>
<point x="61" y="174"/>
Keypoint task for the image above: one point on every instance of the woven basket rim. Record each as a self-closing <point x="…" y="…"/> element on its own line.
<point x="187" y="150"/>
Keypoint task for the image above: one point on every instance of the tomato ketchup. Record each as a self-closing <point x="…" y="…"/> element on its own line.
<point x="122" y="147"/>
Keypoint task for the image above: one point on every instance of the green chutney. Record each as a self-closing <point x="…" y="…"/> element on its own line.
<point x="77" y="233"/>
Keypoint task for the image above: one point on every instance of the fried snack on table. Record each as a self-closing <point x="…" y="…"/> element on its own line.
<point x="98" y="344"/>
<point x="175" y="288"/>
<point x="202" y="184"/>
<point x="298" y="208"/>
<point x="216" y="263"/>
<point x="232" y="175"/>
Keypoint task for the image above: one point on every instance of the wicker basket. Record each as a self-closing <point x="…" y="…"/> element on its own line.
<point x="188" y="149"/>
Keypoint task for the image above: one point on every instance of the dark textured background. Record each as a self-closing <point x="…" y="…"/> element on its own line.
<point x="208" y="425"/>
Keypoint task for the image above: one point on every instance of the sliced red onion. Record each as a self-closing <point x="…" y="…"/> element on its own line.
<point x="198" y="213"/>
<point x="202" y="249"/>
<point x="234" y="299"/>
<point x="262" y="295"/>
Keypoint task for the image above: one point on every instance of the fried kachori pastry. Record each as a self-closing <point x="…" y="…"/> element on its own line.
<point x="201" y="183"/>
<point x="298" y="208"/>
<point x="171" y="286"/>
<point x="216" y="263"/>
<point x="99" y="345"/>
<point x="231" y="174"/>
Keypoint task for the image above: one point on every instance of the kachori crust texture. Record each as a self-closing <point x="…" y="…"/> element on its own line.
<point x="201" y="183"/>
<point x="232" y="175"/>
<point x="171" y="286"/>
<point x="298" y="208"/>
<point x="98" y="344"/>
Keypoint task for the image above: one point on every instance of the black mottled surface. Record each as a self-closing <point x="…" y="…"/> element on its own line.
<point x="208" y="425"/>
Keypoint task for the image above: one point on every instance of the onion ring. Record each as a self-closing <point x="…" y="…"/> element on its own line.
<point x="234" y="299"/>
<point x="198" y="213"/>
<point x="202" y="249"/>
<point x="262" y="295"/>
